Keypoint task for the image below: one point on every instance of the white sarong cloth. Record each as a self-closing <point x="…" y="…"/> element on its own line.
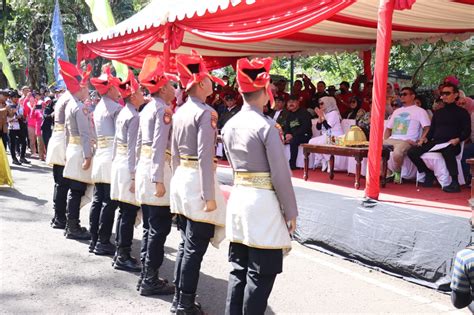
<point x="185" y="199"/>
<point x="73" y="168"/>
<point x="56" y="153"/>
<point x="145" y="188"/>
<point x="102" y="167"/>
<point x="121" y="181"/>
<point x="254" y="218"/>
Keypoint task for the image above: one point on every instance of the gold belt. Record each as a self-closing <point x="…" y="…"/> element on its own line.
<point x="193" y="163"/>
<point x="74" y="140"/>
<point x="121" y="148"/>
<point x="257" y="180"/>
<point x="104" y="142"/>
<point x="146" y="151"/>
<point x="58" y="127"/>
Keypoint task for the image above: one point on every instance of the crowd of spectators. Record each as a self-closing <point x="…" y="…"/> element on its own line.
<point x="26" y="122"/>
<point x="414" y="123"/>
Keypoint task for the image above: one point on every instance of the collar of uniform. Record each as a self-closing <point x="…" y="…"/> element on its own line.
<point x="159" y="100"/>
<point x="196" y="100"/>
<point x="131" y="107"/>
<point x="106" y="98"/>
<point x="248" y="107"/>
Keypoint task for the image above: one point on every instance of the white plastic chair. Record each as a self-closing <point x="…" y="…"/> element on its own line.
<point x="435" y="162"/>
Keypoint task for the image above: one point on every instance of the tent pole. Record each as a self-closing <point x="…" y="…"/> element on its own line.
<point x="382" y="55"/>
<point x="167" y="48"/>
<point x="292" y="73"/>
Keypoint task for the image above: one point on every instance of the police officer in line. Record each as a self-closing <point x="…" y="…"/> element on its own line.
<point x="261" y="210"/>
<point x="122" y="186"/>
<point x="102" y="213"/>
<point x="195" y="194"/>
<point x="153" y="174"/>
<point x="79" y="146"/>
<point x="56" y="156"/>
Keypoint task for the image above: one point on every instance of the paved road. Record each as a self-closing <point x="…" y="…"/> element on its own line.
<point x="42" y="272"/>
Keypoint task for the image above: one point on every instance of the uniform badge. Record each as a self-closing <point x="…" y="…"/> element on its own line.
<point x="168" y="116"/>
<point x="280" y="131"/>
<point x="85" y="110"/>
<point x="214" y="120"/>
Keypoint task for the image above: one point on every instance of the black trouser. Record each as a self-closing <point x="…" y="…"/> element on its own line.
<point x="61" y="188"/>
<point x="125" y="224"/>
<point x="195" y="237"/>
<point x="46" y="134"/>
<point x="294" y="145"/>
<point x="15" y="142"/>
<point x="4" y="136"/>
<point x="24" y="143"/>
<point x="251" y="279"/>
<point x="76" y="191"/>
<point x="156" y="227"/>
<point x="449" y="154"/>
<point x="102" y="213"/>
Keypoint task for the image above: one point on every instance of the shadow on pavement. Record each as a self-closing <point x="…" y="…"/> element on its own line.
<point x="32" y="168"/>
<point x="16" y="194"/>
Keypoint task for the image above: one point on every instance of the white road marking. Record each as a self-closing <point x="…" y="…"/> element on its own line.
<point x="378" y="283"/>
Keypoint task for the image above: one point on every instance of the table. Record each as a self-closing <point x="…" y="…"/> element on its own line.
<point x="357" y="153"/>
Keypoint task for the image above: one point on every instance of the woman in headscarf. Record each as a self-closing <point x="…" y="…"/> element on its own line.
<point x="356" y="111"/>
<point x="329" y="122"/>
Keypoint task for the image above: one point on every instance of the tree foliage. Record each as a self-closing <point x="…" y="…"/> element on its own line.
<point x="27" y="34"/>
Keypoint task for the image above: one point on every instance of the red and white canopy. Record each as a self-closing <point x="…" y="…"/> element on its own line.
<point x="223" y="30"/>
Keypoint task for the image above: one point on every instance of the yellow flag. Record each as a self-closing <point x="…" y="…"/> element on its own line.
<point x="7" y="70"/>
<point x="103" y="19"/>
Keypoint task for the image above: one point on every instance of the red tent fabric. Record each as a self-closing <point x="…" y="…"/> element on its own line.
<point x="225" y="30"/>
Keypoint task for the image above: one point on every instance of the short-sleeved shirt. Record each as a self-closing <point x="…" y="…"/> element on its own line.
<point x="463" y="272"/>
<point x="406" y="123"/>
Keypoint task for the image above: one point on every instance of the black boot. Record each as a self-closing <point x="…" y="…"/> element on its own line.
<point x="75" y="231"/>
<point x="187" y="306"/>
<point x="104" y="249"/>
<point x="453" y="187"/>
<point x="25" y="161"/>
<point x="429" y="179"/>
<point x="174" y="303"/>
<point x="126" y="262"/>
<point x="92" y="245"/>
<point x="93" y="242"/>
<point x="142" y="275"/>
<point x="58" y="224"/>
<point x="153" y="285"/>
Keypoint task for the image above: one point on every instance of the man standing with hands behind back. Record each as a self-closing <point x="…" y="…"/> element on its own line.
<point x="195" y="194"/>
<point x="262" y="210"/>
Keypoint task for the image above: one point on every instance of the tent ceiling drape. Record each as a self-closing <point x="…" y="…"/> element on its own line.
<point x="223" y="30"/>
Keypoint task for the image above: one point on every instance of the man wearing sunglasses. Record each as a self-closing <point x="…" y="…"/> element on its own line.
<point x="449" y="124"/>
<point x="403" y="129"/>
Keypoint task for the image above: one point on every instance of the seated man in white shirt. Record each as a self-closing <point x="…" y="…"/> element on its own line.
<point x="403" y="129"/>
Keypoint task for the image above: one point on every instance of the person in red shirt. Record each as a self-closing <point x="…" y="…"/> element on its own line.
<point x="305" y="95"/>
<point x="280" y="92"/>
<point x="344" y="97"/>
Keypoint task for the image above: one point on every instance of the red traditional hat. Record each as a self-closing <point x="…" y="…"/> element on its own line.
<point x="153" y="75"/>
<point x="129" y="86"/>
<point x="105" y="81"/>
<point x="192" y="70"/>
<point x="72" y="77"/>
<point x="254" y="75"/>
